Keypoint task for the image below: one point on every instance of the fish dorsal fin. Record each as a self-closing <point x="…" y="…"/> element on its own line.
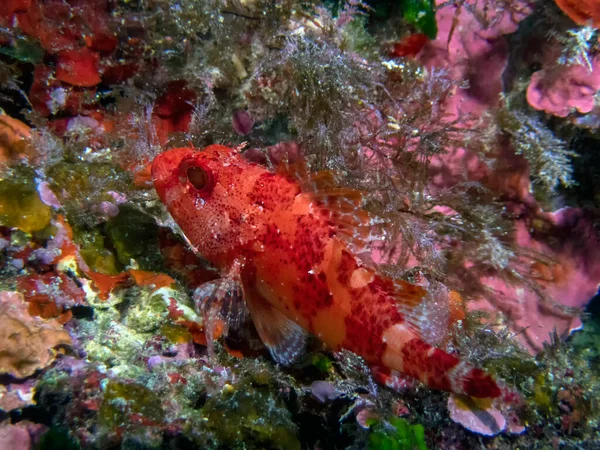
<point x="408" y="299"/>
<point x="323" y="181"/>
<point x="342" y="206"/>
<point x="355" y="226"/>
<point x="285" y="339"/>
<point x="434" y="314"/>
<point x="319" y="181"/>
<point x="296" y="171"/>
<point x="322" y="185"/>
<point x="425" y="309"/>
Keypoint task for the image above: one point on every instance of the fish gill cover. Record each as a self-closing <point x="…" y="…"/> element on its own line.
<point x="452" y="146"/>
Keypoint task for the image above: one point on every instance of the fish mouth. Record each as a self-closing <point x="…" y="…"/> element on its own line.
<point x="159" y="173"/>
<point x="158" y="170"/>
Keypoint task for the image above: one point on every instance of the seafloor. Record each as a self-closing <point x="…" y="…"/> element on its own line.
<point x="471" y="127"/>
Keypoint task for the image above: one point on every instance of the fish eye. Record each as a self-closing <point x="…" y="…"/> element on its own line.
<point x="197" y="177"/>
<point x="194" y="174"/>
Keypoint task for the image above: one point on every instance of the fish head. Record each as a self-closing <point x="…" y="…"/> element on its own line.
<point x="205" y="191"/>
<point x="188" y="172"/>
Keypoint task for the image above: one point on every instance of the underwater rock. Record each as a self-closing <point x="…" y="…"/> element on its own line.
<point x="409" y="46"/>
<point x="275" y="154"/>
<point x="568" y="284"/>
<point x="113" y="82"/>
<point x="56" y="287"/>
<point x="475" y="416"/>
<point x="562" y="89"/>
<point x="27" y="343"/>
<point x="173" y="109"/>
<point x="125" y="404"/>
<point x="582" y="12"/>
<point x="134" y="236"/>
<point x="82" y="186"/>
<point x="119" y="73"/>
<point x="21" y="206"/>
<point x="22" y="436"/>
<point x="78" y="67"/>
<point x="242" y="122"/>
<point x="253" y="416"/>
<point x="17" y="395"/>
<point x="471" y="51"/>
<point x="46" y="94"/>
<point x="73" y="390"/>
<point x="51" y="295"/>
<point x="324" y="391"/>
<point x="14" y="139"/>
<point x="149" y="311"/>
<point x="10" y="7"/>
<point x="45" y="20"/>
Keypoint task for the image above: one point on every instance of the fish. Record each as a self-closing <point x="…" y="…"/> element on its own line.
<point x="288" y="243"/>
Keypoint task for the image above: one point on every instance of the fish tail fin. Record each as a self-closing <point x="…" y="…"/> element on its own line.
<point x="409" y="354"/>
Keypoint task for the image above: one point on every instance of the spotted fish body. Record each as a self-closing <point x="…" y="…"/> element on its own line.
<point x="290" y="241"/>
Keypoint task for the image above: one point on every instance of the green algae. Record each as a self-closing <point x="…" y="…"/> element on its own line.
<point x="543" y="395"/>
<point x="399" y="434"/>
<point x="321" y="362"/>
<point x="523" y="364"/>
<point x="563" y="396"/>
<point x="356" y="38"/>
<point x="134" y="236"/>
<point x="148" y="312"/>
<point x="25" y="50"/>
<point x="124" y="324"/>
<point x="130" y="237"/>
<point x="19" y="238"/>
<point x="175" y="334"/>
<point x="21" y="206"/>
<point x="421" y="14"/>
<point x="257" y="415"/>
<point x="93" y="250"/>
<point x="255" y="419"/>
<point x="57" y="438"/>
<point x="514" y="365"/>
<point x="80" y="186"/>
<point x="109" y="341"/>
<point x="587" y="340"/>
<point x="122" y="400"/>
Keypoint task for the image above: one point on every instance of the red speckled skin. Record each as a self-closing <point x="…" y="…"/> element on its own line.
<point x="286" y="250"/>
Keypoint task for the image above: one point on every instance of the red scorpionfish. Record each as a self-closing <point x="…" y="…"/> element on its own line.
<point x="287" y="242"/>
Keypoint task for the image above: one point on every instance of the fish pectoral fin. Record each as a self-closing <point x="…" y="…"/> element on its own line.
<point x="285" y="339"/>
<point x="221" y="304"/>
